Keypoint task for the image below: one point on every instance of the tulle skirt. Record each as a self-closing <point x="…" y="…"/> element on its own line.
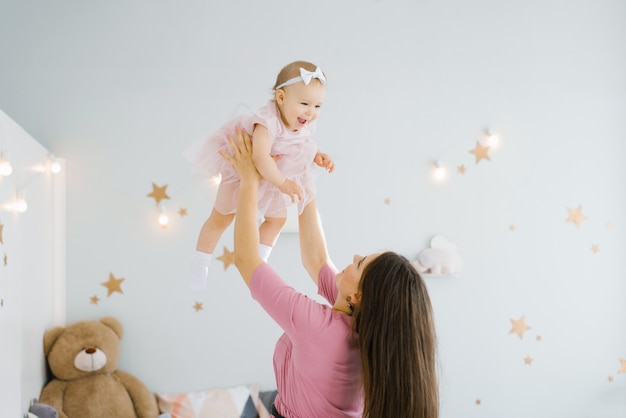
<point x="293" y="156"/>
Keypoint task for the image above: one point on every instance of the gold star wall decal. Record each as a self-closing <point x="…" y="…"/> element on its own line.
<point x="1" y="239"/>
<point x="182" y="212"/>
<point x="480" y="152"/>
<point x="519" y="327"/>
<point x="227" y="258"/>
<point x="94" y="300"/>
<point x="6" y="259"/>
<point x="387" y="201"/>
<point x="158" y="193"/>
<point x="539" y="338"/>
<point x="478" y="402"/>
<point x="461" y="169"/>
<point x="609" y="225"/>
<point x="623" y="367"/>
<point x="576" y="215"/>
<point x="113" y="284"/>
<point x="595" y="248"/>
<point x="610" y="378"/>
<point x="528" y="360"/>
<point x="511" y="227"/>
<point x="198" y="306"/>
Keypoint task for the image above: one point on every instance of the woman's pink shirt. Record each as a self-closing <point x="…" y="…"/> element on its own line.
<point x="316" y="362"/>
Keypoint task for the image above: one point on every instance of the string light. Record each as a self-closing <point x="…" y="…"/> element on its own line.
<point x="216" y="179"/>
<point x="439" y="171"/>
<point x="5" y="166"/>
<point x="163" y="218"/>
<point x="491" y="138"/>
<point x="54" y="164"/>
<point x="20" y="205"/>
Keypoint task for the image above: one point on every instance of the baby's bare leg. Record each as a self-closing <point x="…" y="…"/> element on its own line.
<point x="210" y="233"/>
<point x="268" y="235"/>
<point x="212" y="230"/>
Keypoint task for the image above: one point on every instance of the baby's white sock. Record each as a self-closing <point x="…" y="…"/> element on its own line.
<point x="265" y="251"/>
<point x="199" y="270"/>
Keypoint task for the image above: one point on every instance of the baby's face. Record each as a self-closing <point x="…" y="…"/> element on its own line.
<point x="300" y="104"/>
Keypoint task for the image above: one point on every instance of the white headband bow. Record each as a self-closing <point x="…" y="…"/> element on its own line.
<point x="305" y="77"/>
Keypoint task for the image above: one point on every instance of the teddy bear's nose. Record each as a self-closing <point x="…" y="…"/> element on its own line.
<point x="90" y="350"/>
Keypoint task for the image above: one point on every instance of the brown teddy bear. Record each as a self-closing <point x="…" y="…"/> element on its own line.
<point x="83" y="358"/>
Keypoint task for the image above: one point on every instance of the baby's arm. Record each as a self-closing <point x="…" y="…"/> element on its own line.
<point x="266" y="165"/>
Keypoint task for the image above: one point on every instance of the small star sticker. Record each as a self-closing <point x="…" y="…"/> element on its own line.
<point x="595" y="248"/>
<point x="94" y="300"/>
<point x="158" y="193"/>
<point x="113" y="284"/>
<point x="182" y="212"/>
<point x="528" y="360"/>
<point x="227" y="258"/>
<point x="539" y="337"/>
<point x="623" y="368"/>
<point x="610" y="378"/>
<point x="480" y="152"/>
<point x="511" y="227"/>
<point x="461" y="169"/>
<point x="198" y="306"/>
<point x="477" y="401"/>
<point x="387" y="201"/>
<point x="6" y="259"/>
<point x="1" y="239"/>
<point x="519" y="327"/>
<point x="609" y="225"/>
<point x="576" y="215"/>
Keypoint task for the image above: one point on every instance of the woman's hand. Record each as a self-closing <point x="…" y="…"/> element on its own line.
<point x="241" y="158"/>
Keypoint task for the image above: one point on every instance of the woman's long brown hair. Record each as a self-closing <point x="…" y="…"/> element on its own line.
<point x="397" y="341"/>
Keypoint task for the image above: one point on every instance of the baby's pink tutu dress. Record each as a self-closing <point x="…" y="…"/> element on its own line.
<point x="295" y="152"/>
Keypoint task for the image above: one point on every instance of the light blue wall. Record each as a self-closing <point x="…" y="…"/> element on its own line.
<point x="120" y="88"/>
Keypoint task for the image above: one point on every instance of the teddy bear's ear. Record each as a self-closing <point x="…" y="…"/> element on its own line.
<point x="50" y="337"/>
<point x="114" y="324"/>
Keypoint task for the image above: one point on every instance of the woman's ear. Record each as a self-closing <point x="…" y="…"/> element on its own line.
<point x="356" y="298"/>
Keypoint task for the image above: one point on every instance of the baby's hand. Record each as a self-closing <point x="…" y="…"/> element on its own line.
<point x="292" y="189"/>
<point x="324" y="161"/>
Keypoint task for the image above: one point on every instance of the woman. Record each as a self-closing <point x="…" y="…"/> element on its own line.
<point x="371" y="353"/>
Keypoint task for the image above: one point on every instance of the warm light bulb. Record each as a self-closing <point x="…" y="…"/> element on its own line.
<point x="439" y="172"/>
<point x="491" y="138"/>
<point x="55" y="165"/>
<point x="216" y="179"/>
<point x="20" y="204"/>
<point x="5" y="166"/>
<point x="163" y="219"/>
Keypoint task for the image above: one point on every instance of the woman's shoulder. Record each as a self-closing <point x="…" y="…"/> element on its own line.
<point x="326" y="286"/>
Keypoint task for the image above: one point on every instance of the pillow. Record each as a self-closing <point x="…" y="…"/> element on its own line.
<point x="235" y="402"/>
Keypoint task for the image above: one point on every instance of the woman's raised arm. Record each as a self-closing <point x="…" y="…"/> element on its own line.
<point x="312" y="241"/>
<point x="247" y="257"/>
